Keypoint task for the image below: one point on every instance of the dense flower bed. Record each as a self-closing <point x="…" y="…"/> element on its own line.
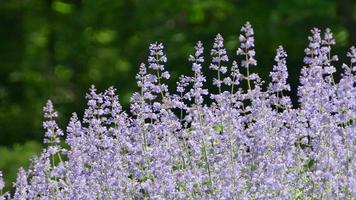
<point x="230" y="143"/>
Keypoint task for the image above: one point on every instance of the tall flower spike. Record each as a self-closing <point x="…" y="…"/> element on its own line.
<point x="2" y="183"/>
<point x="145" y="82"/>
<point x="156" y="60"/>
<point x="234" y="78"/>
<point x="279" y="72"/>
<point x="156" y="56"/>
<point x="313" y="52"/>
<point x="349" y="70"/>
<point x="197" y="92"/>
<point x="113" y="106"/>
<point x="6" y="195"/>
<point x="21" y="185"/>
<point x="52" y="130"/>
<point x="197" y="59"/>
<point x="219" y="55"/>
<point x="74" y="129"/>
<point x="328" y="38"/>
<point x="352" y="55"/>
<point x="140" y="76"/>
<point x="246" y="49"/>
<point x="327" y="42"/>
<point x="94" y="114"/>
<point x="311" y="78"/>
<point x="49" y="112"/>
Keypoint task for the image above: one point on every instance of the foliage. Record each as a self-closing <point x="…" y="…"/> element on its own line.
<point x="228" y="142"/>
<point x="18" y="155"/>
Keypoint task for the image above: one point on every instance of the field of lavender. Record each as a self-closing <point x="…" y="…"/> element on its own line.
<point x="230" y="143"/>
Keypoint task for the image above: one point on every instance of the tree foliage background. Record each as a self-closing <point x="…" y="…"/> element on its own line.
<point x="57" y="48"/>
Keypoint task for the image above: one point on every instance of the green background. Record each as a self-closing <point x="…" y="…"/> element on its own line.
<point x="57" y="48"/>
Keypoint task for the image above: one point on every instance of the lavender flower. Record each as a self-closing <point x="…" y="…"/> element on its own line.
<point x="219" y="55"/>
<point x="247" y="50"/>
<point x="352" y="55"/>
<point x="279" y="72"/>
<point x="313" y="51"/>
<point x="2" y="183"/>
<point x="21" y="185"/>
<point x="156" y="59"/>
<point x="247" y="46"/>
<point x="279" y="77"/>
<point x="53" y="132"/>
<point x="241" y="145"/>
<point x="197" y="92"/>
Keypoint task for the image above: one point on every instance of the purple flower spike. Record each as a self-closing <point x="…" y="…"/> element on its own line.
<point x="236" y="144"/>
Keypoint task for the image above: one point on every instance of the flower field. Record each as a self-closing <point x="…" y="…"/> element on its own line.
<point x="242" y="140"/>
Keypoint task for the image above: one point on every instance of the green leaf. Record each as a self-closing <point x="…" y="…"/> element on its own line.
<point x="218" y="128"/>
<point x="61" y="7"/>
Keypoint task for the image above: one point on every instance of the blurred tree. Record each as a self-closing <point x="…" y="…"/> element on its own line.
<point x="346" y="9"/>
<point x="17" y="155"/>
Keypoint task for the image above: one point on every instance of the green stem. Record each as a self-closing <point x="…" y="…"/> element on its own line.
<point x="248" y="70"/>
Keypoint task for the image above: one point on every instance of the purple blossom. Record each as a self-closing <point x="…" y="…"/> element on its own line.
<point x="236" y="145"/>
<point x="352" y="55"/>
<point x="197" y="92"/>
<point x="279" y="72"/>
<point x="219" y="56"/>
<point x="279" y="83"/>
<point x="52" y="130"/>
<point x="247" y="46"/>
<point x="247" y="51"/>
<point x="21" y="185"/>
<point x="2" y="183"/>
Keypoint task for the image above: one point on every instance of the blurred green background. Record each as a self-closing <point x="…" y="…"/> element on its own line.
<point x="57" y="48"/>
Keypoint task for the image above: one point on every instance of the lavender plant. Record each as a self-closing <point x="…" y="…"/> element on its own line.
<point x="246" y="144"/>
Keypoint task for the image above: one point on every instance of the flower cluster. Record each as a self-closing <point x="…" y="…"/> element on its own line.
<point x="195" y="144"/>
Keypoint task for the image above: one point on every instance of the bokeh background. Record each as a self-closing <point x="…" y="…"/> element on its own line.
<point x="57" y="48"/>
